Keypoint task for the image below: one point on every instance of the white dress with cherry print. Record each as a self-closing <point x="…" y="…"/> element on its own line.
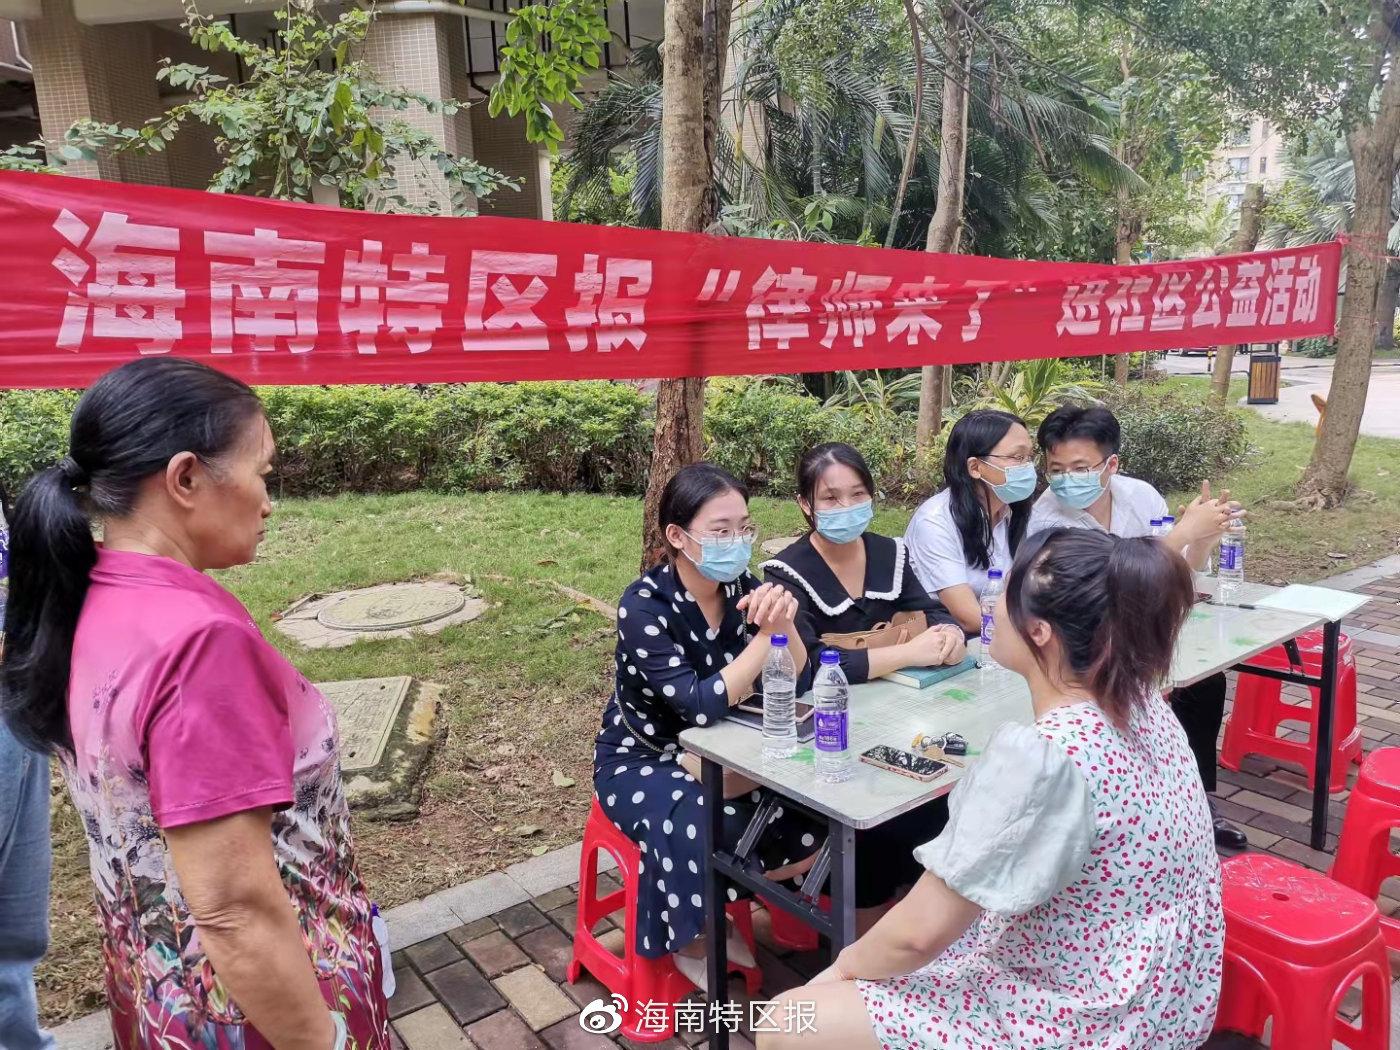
<point x="1091" y="852"/>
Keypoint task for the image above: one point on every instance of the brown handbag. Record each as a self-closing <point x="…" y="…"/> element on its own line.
<point x="899" y="630"/>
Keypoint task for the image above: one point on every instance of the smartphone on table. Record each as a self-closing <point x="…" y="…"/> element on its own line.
<point x="754" y="705"/>
<point x="905" y="763"/>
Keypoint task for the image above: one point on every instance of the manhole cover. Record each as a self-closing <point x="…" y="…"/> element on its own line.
<point x="388" y="610"/>
<point x="778" y="544"/>
<point x="365" y="709"/>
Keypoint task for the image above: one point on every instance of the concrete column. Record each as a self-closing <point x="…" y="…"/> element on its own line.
<point x="414" y="52"/>
<point x="104" y="72"/>
<point x="501" y="144"/>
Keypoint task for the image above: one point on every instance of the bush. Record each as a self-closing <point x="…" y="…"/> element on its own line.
<point x="561" y="436"/>
<point x="1315" y="346"/>
<point x="758" y="428"/>
<point x="1174" y="442"/>
<point x="33" y="432"/>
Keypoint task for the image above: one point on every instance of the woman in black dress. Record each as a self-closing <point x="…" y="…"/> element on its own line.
<point x="693" y="635"/>
<point x="846" y="579"/>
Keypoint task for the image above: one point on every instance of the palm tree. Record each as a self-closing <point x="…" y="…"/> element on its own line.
<point x="827" y="133"/>
<point x="1315" y="205"/>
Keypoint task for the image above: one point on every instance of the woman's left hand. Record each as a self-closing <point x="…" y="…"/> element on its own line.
<point x="770" y="608"/>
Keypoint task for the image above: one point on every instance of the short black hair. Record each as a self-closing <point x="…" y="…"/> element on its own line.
<point x="1069" y="422"/>
<point x="690" y="489"/>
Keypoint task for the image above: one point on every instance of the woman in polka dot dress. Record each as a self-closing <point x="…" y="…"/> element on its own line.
<point x="1073" y="900"/>
<point x="693" y="634"/>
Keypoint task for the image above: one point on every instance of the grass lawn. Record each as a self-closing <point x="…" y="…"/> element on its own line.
<point x="525" y="682"/>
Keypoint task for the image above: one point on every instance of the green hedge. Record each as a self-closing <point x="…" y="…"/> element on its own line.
<point x="1175" y="442"/>
<point x="596" y="437"/>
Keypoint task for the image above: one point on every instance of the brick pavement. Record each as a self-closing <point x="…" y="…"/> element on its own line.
<point x="499" y="983"/>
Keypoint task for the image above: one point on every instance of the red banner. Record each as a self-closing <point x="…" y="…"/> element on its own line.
<point x="95" y="274"/>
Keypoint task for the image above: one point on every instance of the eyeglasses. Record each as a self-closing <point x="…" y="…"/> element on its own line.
<point x="1015" y="461"/>
<point x="1082" y="474"/>
<point x="725" y="537"/>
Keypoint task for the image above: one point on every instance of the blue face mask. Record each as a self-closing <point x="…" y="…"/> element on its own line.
<point x="723" y="562"/>
<point x="845" y="524"/>
<point x="1080" y="490"/>
<point x="1019" y="483"/>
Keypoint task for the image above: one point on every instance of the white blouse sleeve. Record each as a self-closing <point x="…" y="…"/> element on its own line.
<point x="936" y="551"/>
<point x="1020" y="825"/>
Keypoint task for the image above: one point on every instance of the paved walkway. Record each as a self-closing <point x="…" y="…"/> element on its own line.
<point x="1301" y="378"/>
<point x="483" y="964"/>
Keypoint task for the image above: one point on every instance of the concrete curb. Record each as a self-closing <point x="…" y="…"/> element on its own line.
<point x="413" y="922"/>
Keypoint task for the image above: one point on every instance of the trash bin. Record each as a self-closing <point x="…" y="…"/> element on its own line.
<point x="1263" y="376"/>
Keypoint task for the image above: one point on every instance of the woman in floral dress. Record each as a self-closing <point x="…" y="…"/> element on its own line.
<point x="1073" y="900"/>
<point x="205" y="768"/>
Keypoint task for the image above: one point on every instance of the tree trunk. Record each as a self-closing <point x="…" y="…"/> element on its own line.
<point x="1251" y="211"/>
<point x="945" y="229"/>
<point x="1373" y="155"/>
<point x="1126" y="233"/>
<point x="692" y="53"/>
<point x="1386" y="306"/>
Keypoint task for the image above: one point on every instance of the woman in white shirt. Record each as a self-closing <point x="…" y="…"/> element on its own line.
<point x="1074" y="897"/>
<point x="976" y="523"/>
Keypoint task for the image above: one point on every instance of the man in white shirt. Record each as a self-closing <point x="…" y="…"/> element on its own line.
<point x="1087" y="491"/>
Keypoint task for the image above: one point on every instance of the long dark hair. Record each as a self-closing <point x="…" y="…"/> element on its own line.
<point x="127" y="427"/>
<point x="1116" y="606"/>
<point x="693" y="486"/>
<point x="814" y="462"/>
<point x="972" y="437"/>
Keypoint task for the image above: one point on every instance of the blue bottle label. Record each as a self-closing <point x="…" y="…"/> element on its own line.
<point x="831" y="730"/>
<point x="987" y="629"/>
<point x="1230" y="557"/>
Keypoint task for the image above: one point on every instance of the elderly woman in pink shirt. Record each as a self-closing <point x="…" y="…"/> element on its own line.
<point x="205" y="768"/>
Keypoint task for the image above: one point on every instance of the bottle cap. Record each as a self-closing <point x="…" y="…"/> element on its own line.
<point x="993" y="574"/>
<point x="830" y="656"/>
<point x="1169" y="520"/>
<point x="780" y="639"/>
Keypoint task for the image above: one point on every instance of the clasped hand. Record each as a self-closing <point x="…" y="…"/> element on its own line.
<point x="1206" y="519"/>
<point x="770" y="608"/>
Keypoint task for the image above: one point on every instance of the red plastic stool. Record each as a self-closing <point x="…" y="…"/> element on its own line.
<point x="793" y="933"/>
<point x="1259" y="711"/>
<point x="1295" y="942"/>
<point x="1364" y="860"/>
<point x="635" y="977"/>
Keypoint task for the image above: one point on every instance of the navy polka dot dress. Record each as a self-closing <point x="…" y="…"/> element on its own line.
<point x="668" y="679"/>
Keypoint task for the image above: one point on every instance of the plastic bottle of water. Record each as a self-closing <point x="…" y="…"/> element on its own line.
<point x="779" y="701"/>
<point x="989" y="608"/>
<point x="1154" y="527"/>
<point x="1231" y="564"/>
<point x="831" y="693"/>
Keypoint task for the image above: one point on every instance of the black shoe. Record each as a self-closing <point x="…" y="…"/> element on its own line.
<point x="1227" y="836"/>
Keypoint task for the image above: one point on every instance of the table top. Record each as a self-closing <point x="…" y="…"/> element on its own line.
<point x="974" y="704"/>
<point x="1330" y="604"/>
<point x="1216" y="637"/>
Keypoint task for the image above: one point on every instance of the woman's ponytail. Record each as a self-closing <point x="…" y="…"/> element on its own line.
<point x="126" y="427"/>
<point x="1117" y="606"/>
<point x="1149" y="594"/>
<point x="51" y="553"/>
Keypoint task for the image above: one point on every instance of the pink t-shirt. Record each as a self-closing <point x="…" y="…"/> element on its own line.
<point x="181" y="713"/>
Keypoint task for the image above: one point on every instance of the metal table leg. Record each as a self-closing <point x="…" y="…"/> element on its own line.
<point x="843" y="885"/>
<point x="1326" y="705"/>
<point x="716" y="935"/>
